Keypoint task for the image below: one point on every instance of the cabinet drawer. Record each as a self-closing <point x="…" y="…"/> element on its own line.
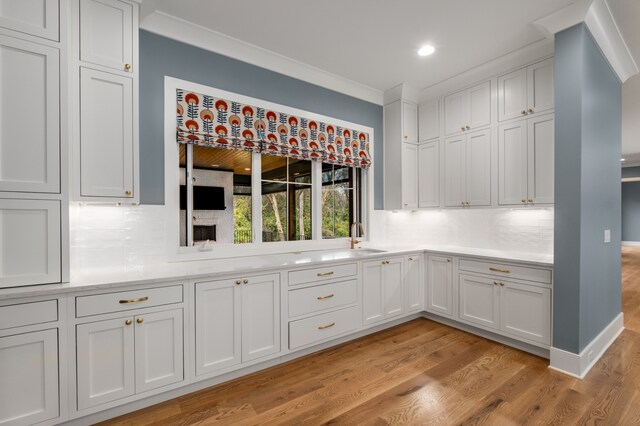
<point x="328" y="272"/>
<point x="127" y="300"/>
<point x="322" y="297"/>
<point x="28" y="314"/>
<point x="507" y="270"/>
<point x="322" y="327"/>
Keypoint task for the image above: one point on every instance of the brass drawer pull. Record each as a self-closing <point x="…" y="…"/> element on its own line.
<point x="504" y="271"/>
<point x="141" y="299"/>
<point x="329" y="296"/>
<point x="325" y="274"/>
<point x="322" y="327"/>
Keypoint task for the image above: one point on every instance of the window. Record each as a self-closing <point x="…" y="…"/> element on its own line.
<point x="340" y="200"/>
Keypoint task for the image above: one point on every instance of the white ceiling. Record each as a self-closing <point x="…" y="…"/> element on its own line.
<point x="374" y="42"/>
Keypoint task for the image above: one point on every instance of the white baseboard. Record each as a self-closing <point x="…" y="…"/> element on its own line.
<point x="631" y="243"/>
<point x="578" y="365"/>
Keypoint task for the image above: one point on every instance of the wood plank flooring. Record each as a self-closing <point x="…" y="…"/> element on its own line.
<point x="425" y="373"/>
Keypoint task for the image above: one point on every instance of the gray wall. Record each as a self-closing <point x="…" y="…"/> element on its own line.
<point x="587" y="285"/>
<point x="160" y="56"/>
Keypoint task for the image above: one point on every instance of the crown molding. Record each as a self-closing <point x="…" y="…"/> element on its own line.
<point x="178" y="29"/>
<point x="562" y="19"/>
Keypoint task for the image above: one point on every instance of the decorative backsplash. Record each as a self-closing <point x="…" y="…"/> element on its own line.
<point x="130" y="236"/>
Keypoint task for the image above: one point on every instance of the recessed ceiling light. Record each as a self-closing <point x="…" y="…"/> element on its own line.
<point x="623" y="159"/>
<point x="426" y="50"/>
<point x="247" y="169"/>
<point x="215" y="165"/>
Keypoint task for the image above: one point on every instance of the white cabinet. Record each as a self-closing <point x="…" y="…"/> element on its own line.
<point x="383" y="290"/>
<point x="31" y="239"/>
<point x="467" y="174"/>
<point x="106" y="33"/>
<point x="29" y="377"/>
<point x="409" y="175"/>
<point x="120" y="357"/>
<point x="400" y="155"/>
<point x="34" y="17"/>
<point x="428" y="120"/>
<point x="439" y="298"/>
<point x="479" y="300"/>
<point x="429" y="174"/>
<point x="414" y="283"/>
<point x="526" y="161"/>
<point x="106" y="135"/>
<point x="29" y="115"/>
<point x="525" y="311"/>
<point x="467" y="110"/>
<point x="237" y="320"/>
<point x="526" y="91"/>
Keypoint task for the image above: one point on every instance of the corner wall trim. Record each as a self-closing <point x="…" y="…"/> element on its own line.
<point x="578" y="365"/>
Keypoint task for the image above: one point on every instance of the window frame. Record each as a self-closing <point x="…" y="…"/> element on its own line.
<point x="172" y="179"/>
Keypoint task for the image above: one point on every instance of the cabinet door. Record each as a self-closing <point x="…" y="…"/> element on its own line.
<point x="512" y="95"/>
<point x="29" y="116"/>
<point x="105" y="361"/>
<point x="159" y="349"/>
<point x="429" y="174"/>
<point x="260" y="316"/>
<point x="106" y="135"/>
<point x="525" y="312"/>
<point x="455" y="112"/>
<point x="29" y="378"/>
<point x="439" y="297"/>
<point x="372" y="292"/>
<point x="409" y="175"/>
<point x="428" y="120"/>
<point x="30" y="250"/>
<point x="217" y="324"/>
<point x="35" y="17"/>
<point x="393" y="282"/>
<point x="512" y="163"/>
<point x="414" y="283"/>
<point x="409" y="122"/>
<point x="478" y="168"/>
<point x="540" y="86"/>
<point x="479" y="301"/>
<point x="106" y="33"/>
<point x="454" y="171"/>
<point x="541" y="159"/>
<point x="479" y="106"/>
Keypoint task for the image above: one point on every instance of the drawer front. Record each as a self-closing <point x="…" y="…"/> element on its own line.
<point x="28" y="314"/>
<point x="322" y="327"/>
<point x="322" y="297"/>
<point x="507" y="271"/>
<point x="126" y="300"/>
<point x="328" y="272"/>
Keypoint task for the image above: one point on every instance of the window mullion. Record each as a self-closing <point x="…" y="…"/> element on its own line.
<point x="316" y="200"/>
<point x="256" y="197"/>
<point x="189" y="186"/>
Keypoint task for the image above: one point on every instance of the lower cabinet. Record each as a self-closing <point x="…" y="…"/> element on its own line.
<point x="236" y="320"/>
<point x="132" y="354"/>
<point x="439" y="286"/>
<point x="382" y="289"/>
<point x="414" y="283"/>
<point x="521" y="311"/>
<point x="29" y="377"/>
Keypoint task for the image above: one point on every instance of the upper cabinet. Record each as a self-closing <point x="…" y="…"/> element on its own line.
<point x="467" y="174"/>
<point x="106" y="33"/>
<point x="526" y="91"/>
<point x="105" y="108"/>
<point x="428" y="120"/>
<point x="468" y="109"/>
<point x="39" y="18"/>
<point x="409" y="122"/>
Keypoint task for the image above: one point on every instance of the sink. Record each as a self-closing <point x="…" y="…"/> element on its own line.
<point x="334" y="254"/>
<point x="369" y="251"/>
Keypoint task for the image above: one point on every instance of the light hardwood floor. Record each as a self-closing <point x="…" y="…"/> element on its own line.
<point x="425" y="373"/>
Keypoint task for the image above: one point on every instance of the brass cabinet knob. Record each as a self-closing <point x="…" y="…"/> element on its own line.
<point x="127" y="192"/>
<point x="245" y="281"/>
<point x="523" y="201"/>
<point x="495" y="283"/>
<point x="238" y="282"/>
<point x="524" y="112"/>
<point x="467" y="203"/>
<point x="501" y="284"/>
<point x="448" y="260"/>
<point x="531" y="200"/>
<point x="127" y="67"/>
<point x="468" y="128"/>
<point x="139" y="320"/>
<point x="531" y="111"/>
<point x="462" y="128"/>
<point x="406" y="137"/>
<point x="127" y="322"/>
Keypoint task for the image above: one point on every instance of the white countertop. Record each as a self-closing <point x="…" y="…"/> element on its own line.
<point x="92" y="279"/>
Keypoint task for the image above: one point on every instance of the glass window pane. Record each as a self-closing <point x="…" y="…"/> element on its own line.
<point x="342" y="210"/>
<point x="301" y="212"/>
<point x="328" y="225"/>
<point x="299" y="171"/>
<point x="274" y="168"/>
<point x="274" y="211"/>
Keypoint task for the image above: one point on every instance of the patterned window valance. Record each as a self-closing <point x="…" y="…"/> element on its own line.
<point x="209" y="121"/>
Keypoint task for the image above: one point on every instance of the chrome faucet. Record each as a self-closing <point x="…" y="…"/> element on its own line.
<point x="353" y="233"/>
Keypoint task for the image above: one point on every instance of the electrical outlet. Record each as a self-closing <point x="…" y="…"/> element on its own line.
<point x="607" y="236"/>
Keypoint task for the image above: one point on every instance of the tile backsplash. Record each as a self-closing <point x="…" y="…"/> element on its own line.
<point x="129" y="236"/>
